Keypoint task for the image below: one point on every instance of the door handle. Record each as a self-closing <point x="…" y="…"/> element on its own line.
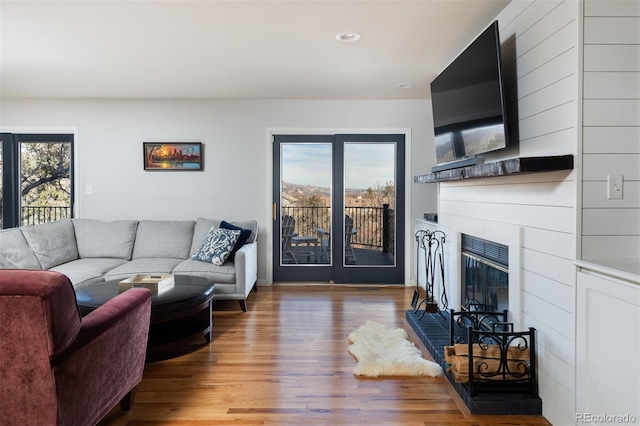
<point x="274" y="212"/>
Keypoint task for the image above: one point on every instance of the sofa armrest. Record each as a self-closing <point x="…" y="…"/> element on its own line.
<point x="106" y="360"/>
<point x="246" y="267"/>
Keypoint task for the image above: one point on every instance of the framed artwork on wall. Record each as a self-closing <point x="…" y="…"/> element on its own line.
<point x="181" y="156"/>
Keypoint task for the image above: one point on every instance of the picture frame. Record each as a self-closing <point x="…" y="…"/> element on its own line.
<point x="173" y="156"/>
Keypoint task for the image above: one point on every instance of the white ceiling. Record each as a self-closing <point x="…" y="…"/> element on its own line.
<point x="232" y="49"/>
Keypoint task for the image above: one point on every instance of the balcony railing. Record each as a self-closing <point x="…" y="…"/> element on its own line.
<point x="375" y="225"/>
<point x="31" y="215"/>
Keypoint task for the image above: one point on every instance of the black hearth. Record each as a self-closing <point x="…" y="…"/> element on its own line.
<point x="433" y="331"/>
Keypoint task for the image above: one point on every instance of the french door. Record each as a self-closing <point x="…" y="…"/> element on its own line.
<point x="36" y="178"/>
<point x="338" y="211"/>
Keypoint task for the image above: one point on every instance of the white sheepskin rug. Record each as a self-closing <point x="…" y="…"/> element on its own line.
<point x="383" y="351"/>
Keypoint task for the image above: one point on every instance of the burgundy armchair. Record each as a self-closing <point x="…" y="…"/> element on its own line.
<point x="57" y="368"/>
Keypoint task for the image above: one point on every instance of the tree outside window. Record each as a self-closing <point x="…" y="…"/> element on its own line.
<point x="45" y="181"/>
<point x="36" y="178"/>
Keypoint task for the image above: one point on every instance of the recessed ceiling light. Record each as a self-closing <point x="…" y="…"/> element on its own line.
<point x="403" y="85"/>
<point x="348" y="36"/>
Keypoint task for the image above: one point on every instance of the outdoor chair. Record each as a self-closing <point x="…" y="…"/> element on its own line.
<point x="349" y="232"/>
<point x="324" y="242"/>
<point x="288" y="226"/>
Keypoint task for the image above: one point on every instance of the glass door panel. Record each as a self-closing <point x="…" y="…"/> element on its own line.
<point x="369" y="204"/>
<point x="45" y="182"/>
<point x="36" y="182"/>
<point x="305" y="203"/>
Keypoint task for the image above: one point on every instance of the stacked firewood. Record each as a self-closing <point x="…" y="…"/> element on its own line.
<point x="490" y="362"/>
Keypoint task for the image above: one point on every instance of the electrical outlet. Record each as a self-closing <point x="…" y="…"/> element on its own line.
<point x="88" y="189"/>
<point x="615" y="187"/>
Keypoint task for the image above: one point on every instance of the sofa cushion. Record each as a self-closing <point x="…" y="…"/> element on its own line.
<point x="96" y="238"/>
<point x="200" y="232"/>
<point x="218" y="274"/>
<point x="53" y="243"/>
<point x="85" y="272"/>
<point x="217" y="246"/>
<point x="148" y="265"/>
<point x="15" y="253"/>
<point x="163" y="238"/>
<point x="242" y="239"/>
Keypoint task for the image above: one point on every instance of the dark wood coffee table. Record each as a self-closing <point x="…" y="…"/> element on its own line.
<point x="178" y="315"/>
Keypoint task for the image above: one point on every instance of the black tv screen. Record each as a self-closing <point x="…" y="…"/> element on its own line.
<point x="468" y="102"/>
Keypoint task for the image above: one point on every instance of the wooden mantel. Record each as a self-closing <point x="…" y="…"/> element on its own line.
<point x="511" y="166"/>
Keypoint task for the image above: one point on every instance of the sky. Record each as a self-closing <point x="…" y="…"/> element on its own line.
<point x="366" y="164"/>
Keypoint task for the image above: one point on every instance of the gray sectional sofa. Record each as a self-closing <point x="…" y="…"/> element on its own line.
<point x="91" y="251"/>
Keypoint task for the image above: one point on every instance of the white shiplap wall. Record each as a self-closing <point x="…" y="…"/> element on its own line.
<point x="540" y="52"/>
<point x="611" y="133"/>
<point x="610" y="234"/>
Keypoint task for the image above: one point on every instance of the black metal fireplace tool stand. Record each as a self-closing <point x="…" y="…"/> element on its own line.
<point x="432" y="244"/>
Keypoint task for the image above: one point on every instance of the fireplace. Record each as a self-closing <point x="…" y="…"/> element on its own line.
<point x="485" y="274"/>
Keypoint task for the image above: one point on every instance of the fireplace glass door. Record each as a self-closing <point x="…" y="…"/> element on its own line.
<point x="485" y="274"/>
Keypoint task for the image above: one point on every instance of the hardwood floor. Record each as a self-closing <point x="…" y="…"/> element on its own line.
<point x="285" y="361"/>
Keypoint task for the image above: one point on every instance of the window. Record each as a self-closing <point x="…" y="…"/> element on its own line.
<point x="36" y="184"/>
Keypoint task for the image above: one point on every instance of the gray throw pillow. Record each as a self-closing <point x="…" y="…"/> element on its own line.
<point x="217" y="246"/>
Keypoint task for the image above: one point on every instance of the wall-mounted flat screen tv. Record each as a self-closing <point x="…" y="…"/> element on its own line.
<point x="468" y="103"/>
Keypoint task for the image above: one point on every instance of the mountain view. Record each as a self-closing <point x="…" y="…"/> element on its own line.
<point x="296" y="195"/>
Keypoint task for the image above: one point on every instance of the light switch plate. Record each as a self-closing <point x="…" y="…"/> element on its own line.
<point x="615" y="187"/>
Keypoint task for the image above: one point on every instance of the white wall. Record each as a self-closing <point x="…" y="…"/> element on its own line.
<point x="533" y="213"/>
<point x="608" y="281"/>
<point x="234" y="133"/>
<point x="611" y="134"/>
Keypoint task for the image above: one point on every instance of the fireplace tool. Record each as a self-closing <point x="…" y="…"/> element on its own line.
<point x="416" y="294"/>
<point x="432" y="242"/>
<point x="444" y="300"/>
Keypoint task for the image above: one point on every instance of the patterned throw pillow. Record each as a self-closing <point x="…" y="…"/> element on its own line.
<point x="217" y="246"/>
